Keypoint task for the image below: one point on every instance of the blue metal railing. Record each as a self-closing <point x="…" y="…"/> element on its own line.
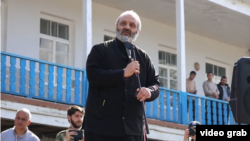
<point x="177" y="106"/>
<point x="56" y="87"/>
<point x="214" y="108"/>
<point x="167" y="107"/>
<point x="33" y="78"/>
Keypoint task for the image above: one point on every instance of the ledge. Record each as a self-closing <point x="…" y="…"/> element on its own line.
<point x="60" y="106"/>
<point x="167" y="124"/>
<point x="35" y="102"/>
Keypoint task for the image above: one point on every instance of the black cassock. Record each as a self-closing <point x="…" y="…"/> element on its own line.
<point x="112" y="108"/>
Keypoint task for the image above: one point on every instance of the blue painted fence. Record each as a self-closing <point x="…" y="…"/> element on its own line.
<point x="38" y="79"/>
<point x="177" y="106"/>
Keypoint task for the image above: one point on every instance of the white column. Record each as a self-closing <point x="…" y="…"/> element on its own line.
<point x="87" y="25"/>
<point x="180" y="43"/>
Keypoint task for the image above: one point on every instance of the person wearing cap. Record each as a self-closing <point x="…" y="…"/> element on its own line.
<point x="193" y="125"/>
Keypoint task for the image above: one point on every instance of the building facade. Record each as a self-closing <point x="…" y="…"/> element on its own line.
<point x="45" y="44"/>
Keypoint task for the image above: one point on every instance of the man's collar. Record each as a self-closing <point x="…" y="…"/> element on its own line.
<point x="70" y="128"/>
<point x="223" y="85"/>
<point x="118" y="40"/>
<point x="15" y="130"/>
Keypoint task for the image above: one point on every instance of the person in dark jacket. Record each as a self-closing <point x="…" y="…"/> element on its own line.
<point x="225" y="93"/>
<point x="113" y="110"/>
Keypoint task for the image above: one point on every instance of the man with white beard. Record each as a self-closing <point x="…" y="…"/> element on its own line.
<point x="113" y="111"/>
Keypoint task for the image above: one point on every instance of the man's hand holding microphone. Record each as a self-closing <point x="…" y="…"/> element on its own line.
<point x="134" y="67"/>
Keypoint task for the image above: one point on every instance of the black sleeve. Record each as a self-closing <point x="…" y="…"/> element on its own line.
<point x="152" y="80"/>
<point x="97" y="75"/>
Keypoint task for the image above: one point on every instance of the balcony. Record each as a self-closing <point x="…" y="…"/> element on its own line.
<point x="36" y="79"/>
<point x="42" y="80"/>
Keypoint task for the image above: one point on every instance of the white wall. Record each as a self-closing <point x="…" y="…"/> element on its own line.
<point x="198" y="48"/>
<point x="24" y="25"/>
<point x="23" y="35"/>
<point x="41" y="115"/>
<point x="3" y="24"/>
<point x="165" y="133"/>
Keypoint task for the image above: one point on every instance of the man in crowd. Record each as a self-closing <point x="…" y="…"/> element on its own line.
<point x="114" y="109"/>
<point x="75" y="118"/>
<point x="211" y="91"/>
<point x="225" y="93"/>
<point x="191" y="88"/>
<point x="20" y="131"/>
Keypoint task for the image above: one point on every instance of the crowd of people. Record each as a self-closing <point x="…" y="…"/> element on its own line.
<point x="220" y="91"/>
<point x="116" y="98"/>
<point x="21" y="132"/>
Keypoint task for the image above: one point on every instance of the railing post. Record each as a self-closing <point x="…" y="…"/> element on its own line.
<point x="180" y="107"/>
<point x="77" y="87"/>
<point x="59" y="83"/>
<point x="13" y="74"/>
<point x="161" y="104"/>
<point x="84" y="87"/>
<point x="68" y="87"/>
<point x="22" y="76"/>
<point x="32" y="80"/>
<point x="184" y="107"/>
<point x="168" y="105"/>
<point x="3" y="72"/>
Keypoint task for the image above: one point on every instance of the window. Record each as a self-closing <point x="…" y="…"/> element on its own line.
<point x="54" y="42"/>
<point x="56" y="45"/>
<point x="216" y="70"/>
<point x="106" y="38"/>
<point x="168" y="69"/>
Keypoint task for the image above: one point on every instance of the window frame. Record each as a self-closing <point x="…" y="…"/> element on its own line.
<point x="168" y="67"/>
<point x="109" y="33"/>
<point x="70" y="43"/>
<point x="170" y="50"/>
<point x="217" y="78"/>
<point x="109" y="37"/>
<point x="57" y="39"/>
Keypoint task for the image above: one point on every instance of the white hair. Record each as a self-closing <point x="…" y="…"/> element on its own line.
<point x="27" y="111"/>
<point x="134" y="14"/>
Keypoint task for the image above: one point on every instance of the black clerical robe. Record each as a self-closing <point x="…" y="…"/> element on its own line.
<point x="112" y="108"/>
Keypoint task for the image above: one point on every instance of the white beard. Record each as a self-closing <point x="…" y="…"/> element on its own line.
<point x="131" y="39"/>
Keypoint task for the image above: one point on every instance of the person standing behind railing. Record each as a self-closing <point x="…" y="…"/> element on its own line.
<point x="191" y="88"/>
<point x="225" y="93"/>
<point x="211" y="91"/>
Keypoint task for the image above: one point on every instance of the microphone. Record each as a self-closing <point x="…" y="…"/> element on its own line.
<point x="128" y="46"/>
